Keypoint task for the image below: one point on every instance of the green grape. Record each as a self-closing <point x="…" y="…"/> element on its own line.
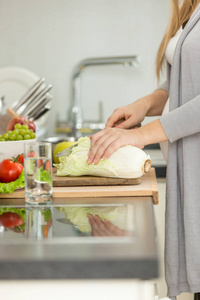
<point x="15" y="131"/>
<point x="24" y="126"/>
<point x="19" y="137"/>
<point x="5" y="136"/>
<point x="12" y="137"/>
<point x="27" y="137"/>
<point x="17" y="126"/>
<point x="22" y="132"/>
<point x="32" y="135"/>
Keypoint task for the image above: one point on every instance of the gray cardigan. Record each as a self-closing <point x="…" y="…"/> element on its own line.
<point x="182" y="126"/>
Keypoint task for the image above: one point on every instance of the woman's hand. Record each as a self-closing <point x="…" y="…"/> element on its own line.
<point x="128" y="116"/>
<point x="108" y="140"/>
<point x="133" y="114"/>
<point x="104" y="227"/>
<point x="116" y="135"/>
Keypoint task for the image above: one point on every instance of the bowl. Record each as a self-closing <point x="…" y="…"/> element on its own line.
<point x="9" y="149"/>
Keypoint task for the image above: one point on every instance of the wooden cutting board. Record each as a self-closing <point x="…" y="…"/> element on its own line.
<point x="148" y="187"/>
<point x="59" y="181"/>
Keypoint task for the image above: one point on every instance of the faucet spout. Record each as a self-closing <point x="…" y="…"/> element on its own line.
<point x="75" y="116"/>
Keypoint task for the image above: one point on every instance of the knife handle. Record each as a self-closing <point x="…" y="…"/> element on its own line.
<point x="12" y="112"/>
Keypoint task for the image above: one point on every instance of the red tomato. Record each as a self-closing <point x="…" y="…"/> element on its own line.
<point x="40" y="163"/>
<point x="10" y="219"/>
<point x="48" y="166"/>
<point x="20" y="159"/>
<point x="10" y="170"/>
<point x="32" y="154"/>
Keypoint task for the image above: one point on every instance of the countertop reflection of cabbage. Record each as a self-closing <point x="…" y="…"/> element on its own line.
<point x="126" y="162"/>
<point x="77" y="215"/>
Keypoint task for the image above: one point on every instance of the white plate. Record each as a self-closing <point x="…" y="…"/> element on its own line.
<point x="14" y="83"/>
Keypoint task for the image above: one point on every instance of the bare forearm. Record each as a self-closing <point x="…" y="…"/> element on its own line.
<point x="155" y="102"/>
<point x="152" y="133"/>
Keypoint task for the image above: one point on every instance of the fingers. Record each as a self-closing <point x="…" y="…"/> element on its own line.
<point x="126" y="124"/>
<point x="104" y="227"/>
<point x="116" y="117"/>
<point x="107" y="141"/>
<point x="96" y="144"/>
<point x="98" y="226"/>
<point x="111" y="148"/>
<point x="94" y="138"/>
<point x="105" y="145"/>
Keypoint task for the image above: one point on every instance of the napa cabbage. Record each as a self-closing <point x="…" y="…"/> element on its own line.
<point x="126" y="162"/>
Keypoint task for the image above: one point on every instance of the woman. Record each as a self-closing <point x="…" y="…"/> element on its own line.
<point x="181" y="127"/>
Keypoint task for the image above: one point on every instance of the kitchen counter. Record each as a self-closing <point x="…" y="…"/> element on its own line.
<point x="147" y="187"/>
<point x="52" y="245"/>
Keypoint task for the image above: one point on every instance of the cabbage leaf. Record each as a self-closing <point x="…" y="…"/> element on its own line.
<point x="126" y="162"/>
<point x="78" y="215"/>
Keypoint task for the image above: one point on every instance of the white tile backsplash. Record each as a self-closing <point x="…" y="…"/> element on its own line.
<point x="50" y="37"/>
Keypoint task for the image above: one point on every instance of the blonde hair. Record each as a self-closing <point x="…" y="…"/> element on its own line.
<point x="178" y="17"/>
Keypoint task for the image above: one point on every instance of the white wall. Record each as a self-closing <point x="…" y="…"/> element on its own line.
<point x="49" y="37"/>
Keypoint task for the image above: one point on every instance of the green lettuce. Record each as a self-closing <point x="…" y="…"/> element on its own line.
<point x="10" y="187"/>
<point x="77" y="215"/>
<point x="125" y="162"/>
<point x="43" y="175"/>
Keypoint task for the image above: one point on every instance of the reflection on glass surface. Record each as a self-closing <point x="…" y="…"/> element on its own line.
<point x="43" y="222"/>
<point x="12" y="221"/>
<point x="101" y="227"/>
<point x="99" y="220"/>
<point x="38" y="222"/>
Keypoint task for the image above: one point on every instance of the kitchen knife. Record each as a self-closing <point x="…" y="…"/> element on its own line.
<point x="38" y="106"/>
<point x="41" y="113"/>
<point x="66" y="151"/>
<point x="65" y="221"/>
<point x="28" y="94"/>
<point x="34" y="101"/>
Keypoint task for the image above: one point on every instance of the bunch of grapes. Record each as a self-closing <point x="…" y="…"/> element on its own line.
<point x="20" y="132"/>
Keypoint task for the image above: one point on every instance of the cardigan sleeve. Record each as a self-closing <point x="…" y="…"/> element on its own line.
<point x="163" y="86"/>
<point x="182" y="121"/>
<point x="185" y="119"/>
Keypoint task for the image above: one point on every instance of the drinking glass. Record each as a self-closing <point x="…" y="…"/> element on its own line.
<point x="38" y="173"/>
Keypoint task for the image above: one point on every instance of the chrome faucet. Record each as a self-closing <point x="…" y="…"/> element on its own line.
<point x="75" y="113"/>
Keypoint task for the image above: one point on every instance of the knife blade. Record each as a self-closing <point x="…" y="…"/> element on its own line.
<point x="65" y="221"/>
<point x="66" y="151"/>
<point x="41" y="113"/>
<point x="38" y="106"/>
<point x="34" y="101"/>
<point x="33" y="89"/>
